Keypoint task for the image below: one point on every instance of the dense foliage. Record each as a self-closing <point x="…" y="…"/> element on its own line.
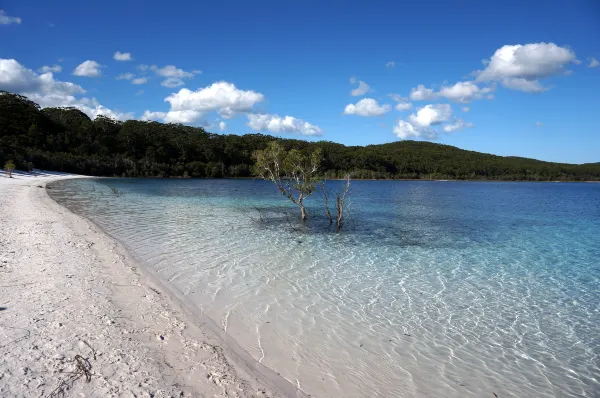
<point x="65" y="139"/>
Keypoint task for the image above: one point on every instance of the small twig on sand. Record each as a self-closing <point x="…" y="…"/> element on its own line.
<point x="83" y="367"/>
<point x="93" y="351"/>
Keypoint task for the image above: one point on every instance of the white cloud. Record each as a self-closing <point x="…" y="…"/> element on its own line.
<point x="174" y="76"/>
<point x="465" y="92"/>
<point x="101" y="110"/>
<point x="172" y="82"/>
<point x="422" y="123"/>
<point x="431" y="115"/>
<point x="539" y="124"/>
<point x="171" y="71"/>
<point x="148" y="115"/>
<point x="222" y="97"/>
<point x="47" y="92"/>
<point x="362" y="89"/>
<point x="53" y="68"/>
<point x="519" y="67"/>
<point x="125" y="76"/>
<point x="391" y="64"/>
<point x="403" y="106"/>
<point x="277" y="124"/>
<point x="521" y="84"/>
<point x="466" y="109"/>
<point x="88" y="69"/>
<point x="404" y="130"/>
<point x="222" y="126"/>
<point x="119" y="56"/>
<point x="139" y="92"/>
<point x="140" y="80"/>
<point x="398" y="98"/>
<point x="185" y="116"/>
<point x="352" y="80"/>
<point x="7" y="20"/>
<point x="457" y="125"/>
<point x="420" y="93"/>
<point x="367" y="107"/>
<point x="593" y="63"/>
<point x="16" y="78"/>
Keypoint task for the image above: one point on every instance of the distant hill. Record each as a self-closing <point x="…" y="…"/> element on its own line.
<point x="65" y="139"/>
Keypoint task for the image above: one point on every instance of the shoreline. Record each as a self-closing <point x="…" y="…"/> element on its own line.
<point x="145" y="339"/>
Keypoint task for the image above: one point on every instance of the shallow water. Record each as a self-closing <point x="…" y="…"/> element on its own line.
<point x="434" y="289"/>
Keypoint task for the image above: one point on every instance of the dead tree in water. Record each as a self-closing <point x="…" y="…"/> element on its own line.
<point x="326" y="199"/>
<point x="340" y="203"/>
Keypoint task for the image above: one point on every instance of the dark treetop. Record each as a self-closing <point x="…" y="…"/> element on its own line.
<point x="65" y="139"/>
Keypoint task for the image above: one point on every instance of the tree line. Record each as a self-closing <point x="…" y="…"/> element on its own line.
<point x="66" y="139"/>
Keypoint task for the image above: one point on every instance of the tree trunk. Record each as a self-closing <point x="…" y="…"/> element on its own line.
<point x="326" y="198"/>
<point x="340" y="212"/>
<point x="303" y="213"/>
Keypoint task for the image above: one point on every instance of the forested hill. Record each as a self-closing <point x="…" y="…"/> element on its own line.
<point x="68" y="140"/>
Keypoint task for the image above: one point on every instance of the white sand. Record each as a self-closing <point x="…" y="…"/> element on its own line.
<point x="64" y="284"/>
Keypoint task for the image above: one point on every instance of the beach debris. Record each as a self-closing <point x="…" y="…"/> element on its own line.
<point x="83" y="368"/>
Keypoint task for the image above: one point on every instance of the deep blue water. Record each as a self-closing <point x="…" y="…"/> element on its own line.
<point x="432" y="288"/>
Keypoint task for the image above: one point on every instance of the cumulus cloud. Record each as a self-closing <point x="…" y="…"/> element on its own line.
<point x="53" y="68"/>
<point x="521" y="84"/>
<point x="404" y="130"/>
<point x="398" y="98"/>
<point x="217" y="96"/>
<point x="172" y="82"/>
<point x="391" y="64"/>
<point x="277" y="124"/>
<point x="362" y="89"/>
<point x="185" y="116"/>
<point x="47" y="92"/>
<point x="119" y="56"/>
<point x="422" y="123"/>
<point x="593" y="63"/>
<point x="403" y="106"/>
<point x="465" y="92"/>
<point x="139" y="80"/>
<point x="431" y="115"/>
<point x="88" y="69"/>
<point x="519" y="67"/>
<point x="7" y="19"/>
<point x="222" y="126"/>
<point x="16" y="78"/>
<point x="402" y="102"/>
<point x="421" y="93"/>
<point x="174" y="77"/>
<point x="457" y="125"/>
<point x="148" y="115"/>
<point x="367" y="107"/>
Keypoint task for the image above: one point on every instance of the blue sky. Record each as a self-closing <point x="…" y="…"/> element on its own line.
<point x="511" y="78"/>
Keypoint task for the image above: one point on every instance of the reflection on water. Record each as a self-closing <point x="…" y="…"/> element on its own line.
<point x="439" y="288"/>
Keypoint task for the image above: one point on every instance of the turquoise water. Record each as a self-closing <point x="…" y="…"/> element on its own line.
<point x="434" y="289"/>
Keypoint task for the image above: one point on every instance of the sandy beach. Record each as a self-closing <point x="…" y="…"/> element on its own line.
<point x="78" y="318"/>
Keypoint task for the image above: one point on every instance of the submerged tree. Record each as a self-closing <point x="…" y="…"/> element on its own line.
<point x="294" y="173"/>
<point x="9" y="167"/>
<point x="340" y="203"/>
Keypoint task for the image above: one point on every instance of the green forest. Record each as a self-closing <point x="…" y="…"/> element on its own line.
<point x="67" y="140"/>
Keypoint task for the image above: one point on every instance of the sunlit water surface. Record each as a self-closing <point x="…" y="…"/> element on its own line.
<point x="434" y="289"/>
